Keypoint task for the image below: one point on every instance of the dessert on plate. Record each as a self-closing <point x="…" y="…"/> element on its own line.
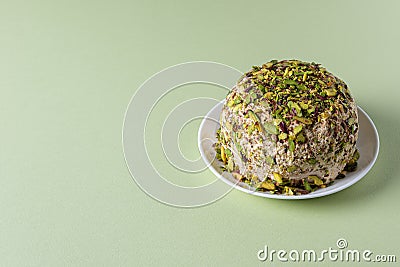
<point x="288" y="127"/>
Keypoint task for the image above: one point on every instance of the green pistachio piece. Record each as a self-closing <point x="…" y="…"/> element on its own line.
<point x="291" y="145"/>
<point x="294" y="105"/>
<point x="351" y="166"/>
<point x="302" y="87"/>
<point x="292" y="168"/>
<point x="237" y="107"/>
<point x="250" y="129"/>
<point x="269" y="64"/>
<point x="237" y="176"/>
<point x="312" y="161"/>
<point x="230" y="165"/>
<point x="290" y="82"/>
<point x="324" y="115"/>
<point x="277" y="121"/>
<point x="268" y="95"/>
<point x="316" y="179"/>
<point x="307" y="185"/>
<point x="288" y="191"/>
<point x="238" y="147"/>
<point x="330" y="92"/>
<point x="297" y="129"/>
<point x="268" y="185"/>
<point x="286" y="72"/>
<point x="223" y="156"/>
<point x="300" y="138"/>
<point x="304" y="76"/>
<point x="356" y="155"/>
<point x="282" y="136"/>
<point x="269" y="160"/>
<point x="303" y="105"/>
<point x="271" y="128"/>
<point x="277" y="177"/>
<point x="253" y="116"/>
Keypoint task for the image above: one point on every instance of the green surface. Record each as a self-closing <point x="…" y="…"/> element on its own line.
<point x="68" y="70"/>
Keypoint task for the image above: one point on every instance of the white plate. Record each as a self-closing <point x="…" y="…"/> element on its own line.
<point x="367" y="144"/>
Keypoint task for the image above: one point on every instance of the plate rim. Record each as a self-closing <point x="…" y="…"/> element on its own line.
<point x="314" y="194"/>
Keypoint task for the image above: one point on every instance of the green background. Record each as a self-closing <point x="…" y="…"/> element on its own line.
<point x="68" y="70"/>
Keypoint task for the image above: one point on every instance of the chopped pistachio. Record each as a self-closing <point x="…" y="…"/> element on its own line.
<point x="307" y="185"/>
<point x="247" y="100"/>
<point x="237" y="176"/>
<point x="223" y="156"/>
<point x="290" y="82"/>
<point x="269" y="160"/>
<point x="288" y="191"/>
<point x="294" y="105"/>
<point x="282" y="136"/>
<point x="300" y="138"/>
<point x="291" y="145"/>
<point x="316" y="179"/>
<point x="277" y="177"/>
<point x="356" y="155"/>
<point x="286" y="72"/>
<point x="312" y="161"/>
<point x="297" y="129"/>
<point x="330" y="92"/>
<point x="268" y="185"/>
<point x="268" y="95"/>
<point x="303" y="120"/>
<point x="324" y="115"/>
<point x="302" y="87"/>
<point x="230" y="165"/>
<point x="237" y="100"/>
<point x="250" y="128"/>
<point x="311" y="110"/>
<point x="228" y="125"/>
<point x="303" y="105"/>
<point x="277" y="121"/>
<point x="253" y="116"/>
<point x="292" y="168"/>
<point x="296" y="94"/>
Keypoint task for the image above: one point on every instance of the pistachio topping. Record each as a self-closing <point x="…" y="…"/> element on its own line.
<point x="288" y="127"/>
